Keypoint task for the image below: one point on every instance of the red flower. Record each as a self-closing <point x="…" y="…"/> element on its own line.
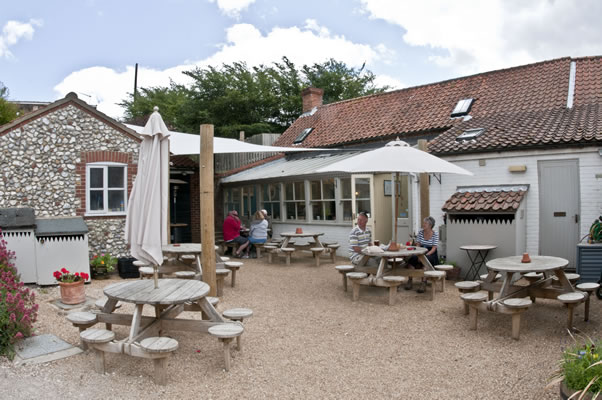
<point x="64" y="270"/>
<point x="84" y="276"/>
<point x="77" y="274"/>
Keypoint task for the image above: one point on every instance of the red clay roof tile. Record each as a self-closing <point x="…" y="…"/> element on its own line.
<point x="484" y="201"/>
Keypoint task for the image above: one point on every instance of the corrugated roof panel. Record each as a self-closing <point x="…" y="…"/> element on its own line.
<point x="285" y="168"/>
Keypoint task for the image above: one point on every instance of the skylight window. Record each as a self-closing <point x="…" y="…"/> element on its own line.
<point x="462" y="108"/>
<point x="303" y="135"/>
<point x="470" y="134"/>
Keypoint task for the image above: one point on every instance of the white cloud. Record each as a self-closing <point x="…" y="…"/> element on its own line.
<point x="233" y="8"/>
<point x="474" y="35"/>
<point x="244" y="42"/>
<point x="13" y="31"/>
<point x="394" y="83"/>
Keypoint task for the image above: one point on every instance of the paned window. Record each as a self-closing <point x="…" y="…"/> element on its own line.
<point x="346" y="198"/>
<point x="323" y="205"/>
<point x="106" y="188"/>
<point x="271" y="200"/>
<point x="294" y="200"/>
<point x="231" y="200"/>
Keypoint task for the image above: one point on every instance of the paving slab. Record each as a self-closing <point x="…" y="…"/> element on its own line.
<point x="43" y="348"/>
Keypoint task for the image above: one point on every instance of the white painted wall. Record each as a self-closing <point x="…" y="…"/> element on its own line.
<point x="495" y="172"/>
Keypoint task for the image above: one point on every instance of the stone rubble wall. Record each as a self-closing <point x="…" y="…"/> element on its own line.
<point x="38" y="168"/>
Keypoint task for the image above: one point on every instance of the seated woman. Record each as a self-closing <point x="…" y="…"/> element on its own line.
<point x="429" y="239"/>
<point x="258" y="232"/>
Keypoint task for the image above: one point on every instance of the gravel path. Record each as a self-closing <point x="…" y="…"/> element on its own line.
<point x="307" y="339"/>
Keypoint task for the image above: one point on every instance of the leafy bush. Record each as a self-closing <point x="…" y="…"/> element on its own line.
<point x="18" y="310"/>
<point x="103" y="260"/>
<point x="581" y="365"/>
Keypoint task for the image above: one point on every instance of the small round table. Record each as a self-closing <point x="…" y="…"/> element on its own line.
<point x="476" y="262"/>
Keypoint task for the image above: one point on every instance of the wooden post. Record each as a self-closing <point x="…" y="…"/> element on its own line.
<point x="424" y="188"/>
<point x="207" y="212"/>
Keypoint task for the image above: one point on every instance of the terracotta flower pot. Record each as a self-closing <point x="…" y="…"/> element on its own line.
<point x="73" y="293"/>
<point x="566" y="393"/>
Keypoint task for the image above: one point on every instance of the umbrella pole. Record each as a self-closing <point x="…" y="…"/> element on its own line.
<point x="156" y="275"/>
<point x="396" y="203"/>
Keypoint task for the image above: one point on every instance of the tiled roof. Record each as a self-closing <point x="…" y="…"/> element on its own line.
<point x="485" y="201"/>
<point x="561" y="126"/>
<point x="531" y="91"/>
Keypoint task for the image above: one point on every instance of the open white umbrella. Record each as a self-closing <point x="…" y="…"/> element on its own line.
<point x="396" y="156"/>
<point x="146" y="220"/>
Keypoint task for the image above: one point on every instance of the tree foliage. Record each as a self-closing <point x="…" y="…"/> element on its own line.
<point x="235" y="97"/>
<point x="8" y="111"/>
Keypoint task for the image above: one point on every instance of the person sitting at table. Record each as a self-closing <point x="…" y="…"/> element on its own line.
<point x="231" y="231"/>
<point x="259" y="229"/>
<point x="360" y="237"/>
<point x="429" y="239"/>
<point x="267" y="218"/>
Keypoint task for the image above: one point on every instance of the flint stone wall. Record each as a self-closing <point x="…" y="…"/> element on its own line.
<point x="38" y="162"/>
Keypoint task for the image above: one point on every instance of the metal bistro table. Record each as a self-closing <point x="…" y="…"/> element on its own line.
<point x="194" y="249"/>
<point x="513" y="298"/>
<point x="478" y="261"/>
<point x="169" y="300"/>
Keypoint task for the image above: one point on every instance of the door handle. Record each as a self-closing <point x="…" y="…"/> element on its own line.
<point x="576" y="218"/>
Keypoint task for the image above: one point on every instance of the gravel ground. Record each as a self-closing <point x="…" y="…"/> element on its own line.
<point x="307" y="339"/>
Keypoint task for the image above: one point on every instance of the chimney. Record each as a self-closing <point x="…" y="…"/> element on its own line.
<point x="312" y="97"/>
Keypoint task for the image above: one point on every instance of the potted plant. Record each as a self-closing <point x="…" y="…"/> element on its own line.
<point x="580" y="371"/>
<point x="71" y="285"/>
<point x="102" y="264"/>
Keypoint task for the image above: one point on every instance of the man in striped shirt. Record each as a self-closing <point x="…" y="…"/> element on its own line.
<point x="360" y="237"/>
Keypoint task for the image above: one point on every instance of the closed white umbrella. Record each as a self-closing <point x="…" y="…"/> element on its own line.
<point x="396" y="156"/>
<point x="146" y="220"/>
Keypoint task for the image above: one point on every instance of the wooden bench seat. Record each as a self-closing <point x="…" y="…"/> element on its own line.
<point x="220" y="276"/>
<point x="287" y="252"/>
<point x="332" y="248"/>
<point x="97" y="336"/>
<point x="393" y="281"/>
<point x="435" y="276"/>
<point x="258" y="247"/>
<point x="270" y="251"/>
<point x="572" y="278"/>
<point x="226" y="333"/>
<point x="82" y="320"/>
<point x="233" y="266"/>
<point x="355" y="277"/>
<point x="146" y="272"/>
<point x="239" y="315"/>
<point x="161" y="348"/>
<point x="571" y="300"/>
<point x="472" y="301"/>
<point x="518" y="306"/>
<point x="185" y="274"/>
<point x="317" y="252"/>
<point x="589" y="288"/>
<point x="467" y="287"/>
<point x="343" y="270"/>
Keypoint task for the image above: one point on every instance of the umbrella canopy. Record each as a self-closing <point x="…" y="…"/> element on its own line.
<point x="146" y="221"/>
<point x="396" y="156"/>
<point x="186" y="144"/>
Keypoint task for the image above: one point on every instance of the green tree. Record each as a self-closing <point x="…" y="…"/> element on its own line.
<point x="8" y="111"/>
<point x="234" y="97"/>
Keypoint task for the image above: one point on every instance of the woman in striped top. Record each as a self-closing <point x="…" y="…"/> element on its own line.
<point x="429" y="239"/>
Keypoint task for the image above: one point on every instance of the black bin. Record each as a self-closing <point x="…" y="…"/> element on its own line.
<point x="126" y="268"/>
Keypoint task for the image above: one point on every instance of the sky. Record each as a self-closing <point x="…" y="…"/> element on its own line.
<point x="51" y="48"/>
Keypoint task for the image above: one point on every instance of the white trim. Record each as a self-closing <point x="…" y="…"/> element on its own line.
<point x="105" y="189"/>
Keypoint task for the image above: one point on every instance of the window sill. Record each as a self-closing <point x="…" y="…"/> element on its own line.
<point x="115" y="214"/>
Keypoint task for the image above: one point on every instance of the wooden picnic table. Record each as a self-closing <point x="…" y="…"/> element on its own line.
<point x="513" y="298"/>
<point x="172" y="297"/>
<point x="377" y="273"/>
<point x="193" y="249"/>
<point x="290" y="235"/>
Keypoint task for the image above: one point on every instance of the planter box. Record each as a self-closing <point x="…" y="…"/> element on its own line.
<point x="127" y="269"/>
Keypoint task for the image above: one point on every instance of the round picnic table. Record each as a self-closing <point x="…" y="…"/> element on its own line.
<point x="193" y="249"/>
<point x="401" y="253"/>
<point x="480" y="254"/>
<point x="289" y="235"/>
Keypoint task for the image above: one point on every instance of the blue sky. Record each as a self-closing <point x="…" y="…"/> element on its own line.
<point x="49" y="48"/>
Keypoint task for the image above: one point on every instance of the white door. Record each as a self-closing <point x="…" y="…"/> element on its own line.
<point x="362" y="197"/>
<point x="559" y="208"/>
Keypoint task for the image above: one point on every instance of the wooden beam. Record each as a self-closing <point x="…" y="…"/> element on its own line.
<point x="424" y="188"/>
<point x="207" y="211"/>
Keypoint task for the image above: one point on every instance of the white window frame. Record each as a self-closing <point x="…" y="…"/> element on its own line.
<point x="296" y="201"/>
<point x="322" y="201"/>
<point x="105" y="189"/>
<point x="273" y="203"/>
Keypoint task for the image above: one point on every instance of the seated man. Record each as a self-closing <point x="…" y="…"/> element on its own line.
<point x="360" y="237"/>
<point x="231" y="230"/>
